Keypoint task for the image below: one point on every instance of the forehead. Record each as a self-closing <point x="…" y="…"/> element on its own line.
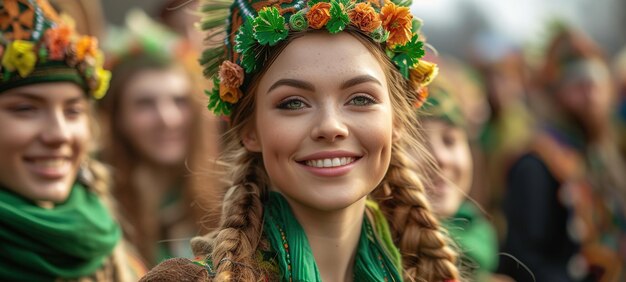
<point x="325" y="57"/>
<point x="158" y="82"/>
<point x="47" y="92"/>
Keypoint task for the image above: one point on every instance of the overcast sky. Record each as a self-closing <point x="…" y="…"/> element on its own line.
<point x="453" y="24"/>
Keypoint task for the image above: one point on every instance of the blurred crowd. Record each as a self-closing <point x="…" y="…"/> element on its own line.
<point x="532" y="151"/>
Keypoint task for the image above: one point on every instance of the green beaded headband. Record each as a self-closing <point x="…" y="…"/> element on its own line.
<point x="252" y="25"/>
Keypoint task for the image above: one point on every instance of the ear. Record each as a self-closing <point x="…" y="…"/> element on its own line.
<point x="396" y="133"/>
<point x="250" y="139"/>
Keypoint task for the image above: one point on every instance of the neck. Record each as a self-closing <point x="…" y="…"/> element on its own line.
<point x="333" y="237"/>
<point x="159" y="179"/>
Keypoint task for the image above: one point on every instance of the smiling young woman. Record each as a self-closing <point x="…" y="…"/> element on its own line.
<point x="321" y="187"/>
<point x="54" y="203"/>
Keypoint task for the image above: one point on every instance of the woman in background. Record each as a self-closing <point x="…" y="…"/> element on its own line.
<point x="56" y="221"/>
<point x="565" y="197"/>
<point x="154" y="128"/>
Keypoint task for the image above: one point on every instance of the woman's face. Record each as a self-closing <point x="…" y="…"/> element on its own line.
<point x="323" y="122"/>
<point x="450" y="148"/>
<point x="586" y="92"/>
<point x="44" y="137"/>
<point x="156" y="115"/>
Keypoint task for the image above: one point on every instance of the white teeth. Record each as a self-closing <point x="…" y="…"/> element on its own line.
<point x="334" y="162"/>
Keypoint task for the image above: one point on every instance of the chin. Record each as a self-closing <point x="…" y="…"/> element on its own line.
<point x="330" y="199"/>
<point x="56" y="192"/>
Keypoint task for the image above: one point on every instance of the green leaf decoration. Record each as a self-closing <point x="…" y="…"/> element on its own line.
<point x="298" y="21"/>
<point x="43" y="55"/>
<point x="339" y="18"/>
<point x="408" y="55"/>
<point x="380" y="35"/>
<point x="245" y="44"/>
<point x="312" y="3"/>
<point x="216" y="105"/>
<point x="6" y="75"/>
<point x="417" y="25"/>
<point x="269" y="26"/>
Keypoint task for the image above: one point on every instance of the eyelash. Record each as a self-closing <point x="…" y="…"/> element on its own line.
<point x="284" y="104"/>
<point x="370" y="100"/>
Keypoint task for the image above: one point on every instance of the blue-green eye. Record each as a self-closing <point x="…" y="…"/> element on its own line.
<point x="361" y="101"/>
<point x="292" y="104"/>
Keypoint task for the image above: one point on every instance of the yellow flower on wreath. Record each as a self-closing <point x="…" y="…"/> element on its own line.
<point x="104" y="77"/>
<point x="20" y="55"/>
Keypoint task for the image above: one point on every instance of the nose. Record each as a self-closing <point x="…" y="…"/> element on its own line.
<point x="170" y="114"/>
<point x="56" y="130"/>
<point x="330" y="126"/>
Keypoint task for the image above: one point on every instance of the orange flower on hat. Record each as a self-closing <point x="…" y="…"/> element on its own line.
<point x="365" y="17"/>
<point x="58" y="39"/>
<point x="230" y="74"/>
<point x="86" y="46"/>
<point x="230" y="95"/>
<point x="318" y="15"/>
<point x="398" y="21"/>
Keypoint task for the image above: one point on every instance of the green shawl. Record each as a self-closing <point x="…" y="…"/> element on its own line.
<point x="70" y="240"/>
<point x="376" y="259"/>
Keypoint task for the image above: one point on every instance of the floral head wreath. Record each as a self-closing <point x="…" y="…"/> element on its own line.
<point x="37" y="45"/>
<point x="142" y="37"/>
<point x="252" y="25"/>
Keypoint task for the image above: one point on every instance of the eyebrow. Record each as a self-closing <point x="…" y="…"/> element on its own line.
<point x="39" y="98"/>
<point x="359" y="80"/>
<point x="293" y="83"/>
<point x="308" y="86"/>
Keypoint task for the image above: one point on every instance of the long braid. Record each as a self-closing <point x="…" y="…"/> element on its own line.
<point x="425" y="248"/>
<point x="233" y="245"/>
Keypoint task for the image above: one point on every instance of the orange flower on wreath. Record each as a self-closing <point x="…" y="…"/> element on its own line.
<point x="364" y="17"/>
<point x="398" y="21"/>
<point x="318" y="15"/>
<point x="58" y="39"/>
<point x="86" y="46"/>
<point x="230" y="94"/>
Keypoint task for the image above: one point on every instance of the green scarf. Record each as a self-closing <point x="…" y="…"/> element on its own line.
<point x="68" y="241"/>
<point x="374" y="261"/>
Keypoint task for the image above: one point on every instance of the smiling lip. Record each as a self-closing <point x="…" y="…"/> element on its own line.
<point x="330" y="163"/>
<point x="49" y="167"/>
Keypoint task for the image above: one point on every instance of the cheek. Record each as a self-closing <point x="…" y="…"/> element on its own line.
<point x="464" y="165"/>
<point x="138" y="125"/>
<point x="280" y="135"/>
<point x="82" y="135"/>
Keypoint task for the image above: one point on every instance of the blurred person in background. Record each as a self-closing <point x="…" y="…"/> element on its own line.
<point x="57" y="219"/>
<point x="508" y="128"/>
<point x="154" y="126"/>
<point x="565" y="197"/>
<point x="620" y="78"/>
<point x="446" y="134"/>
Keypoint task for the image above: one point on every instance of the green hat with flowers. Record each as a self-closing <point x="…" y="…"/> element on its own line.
<point x="37" y="45"/>
<point x="244" y="29"/>
<point x="442" y="105"/>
